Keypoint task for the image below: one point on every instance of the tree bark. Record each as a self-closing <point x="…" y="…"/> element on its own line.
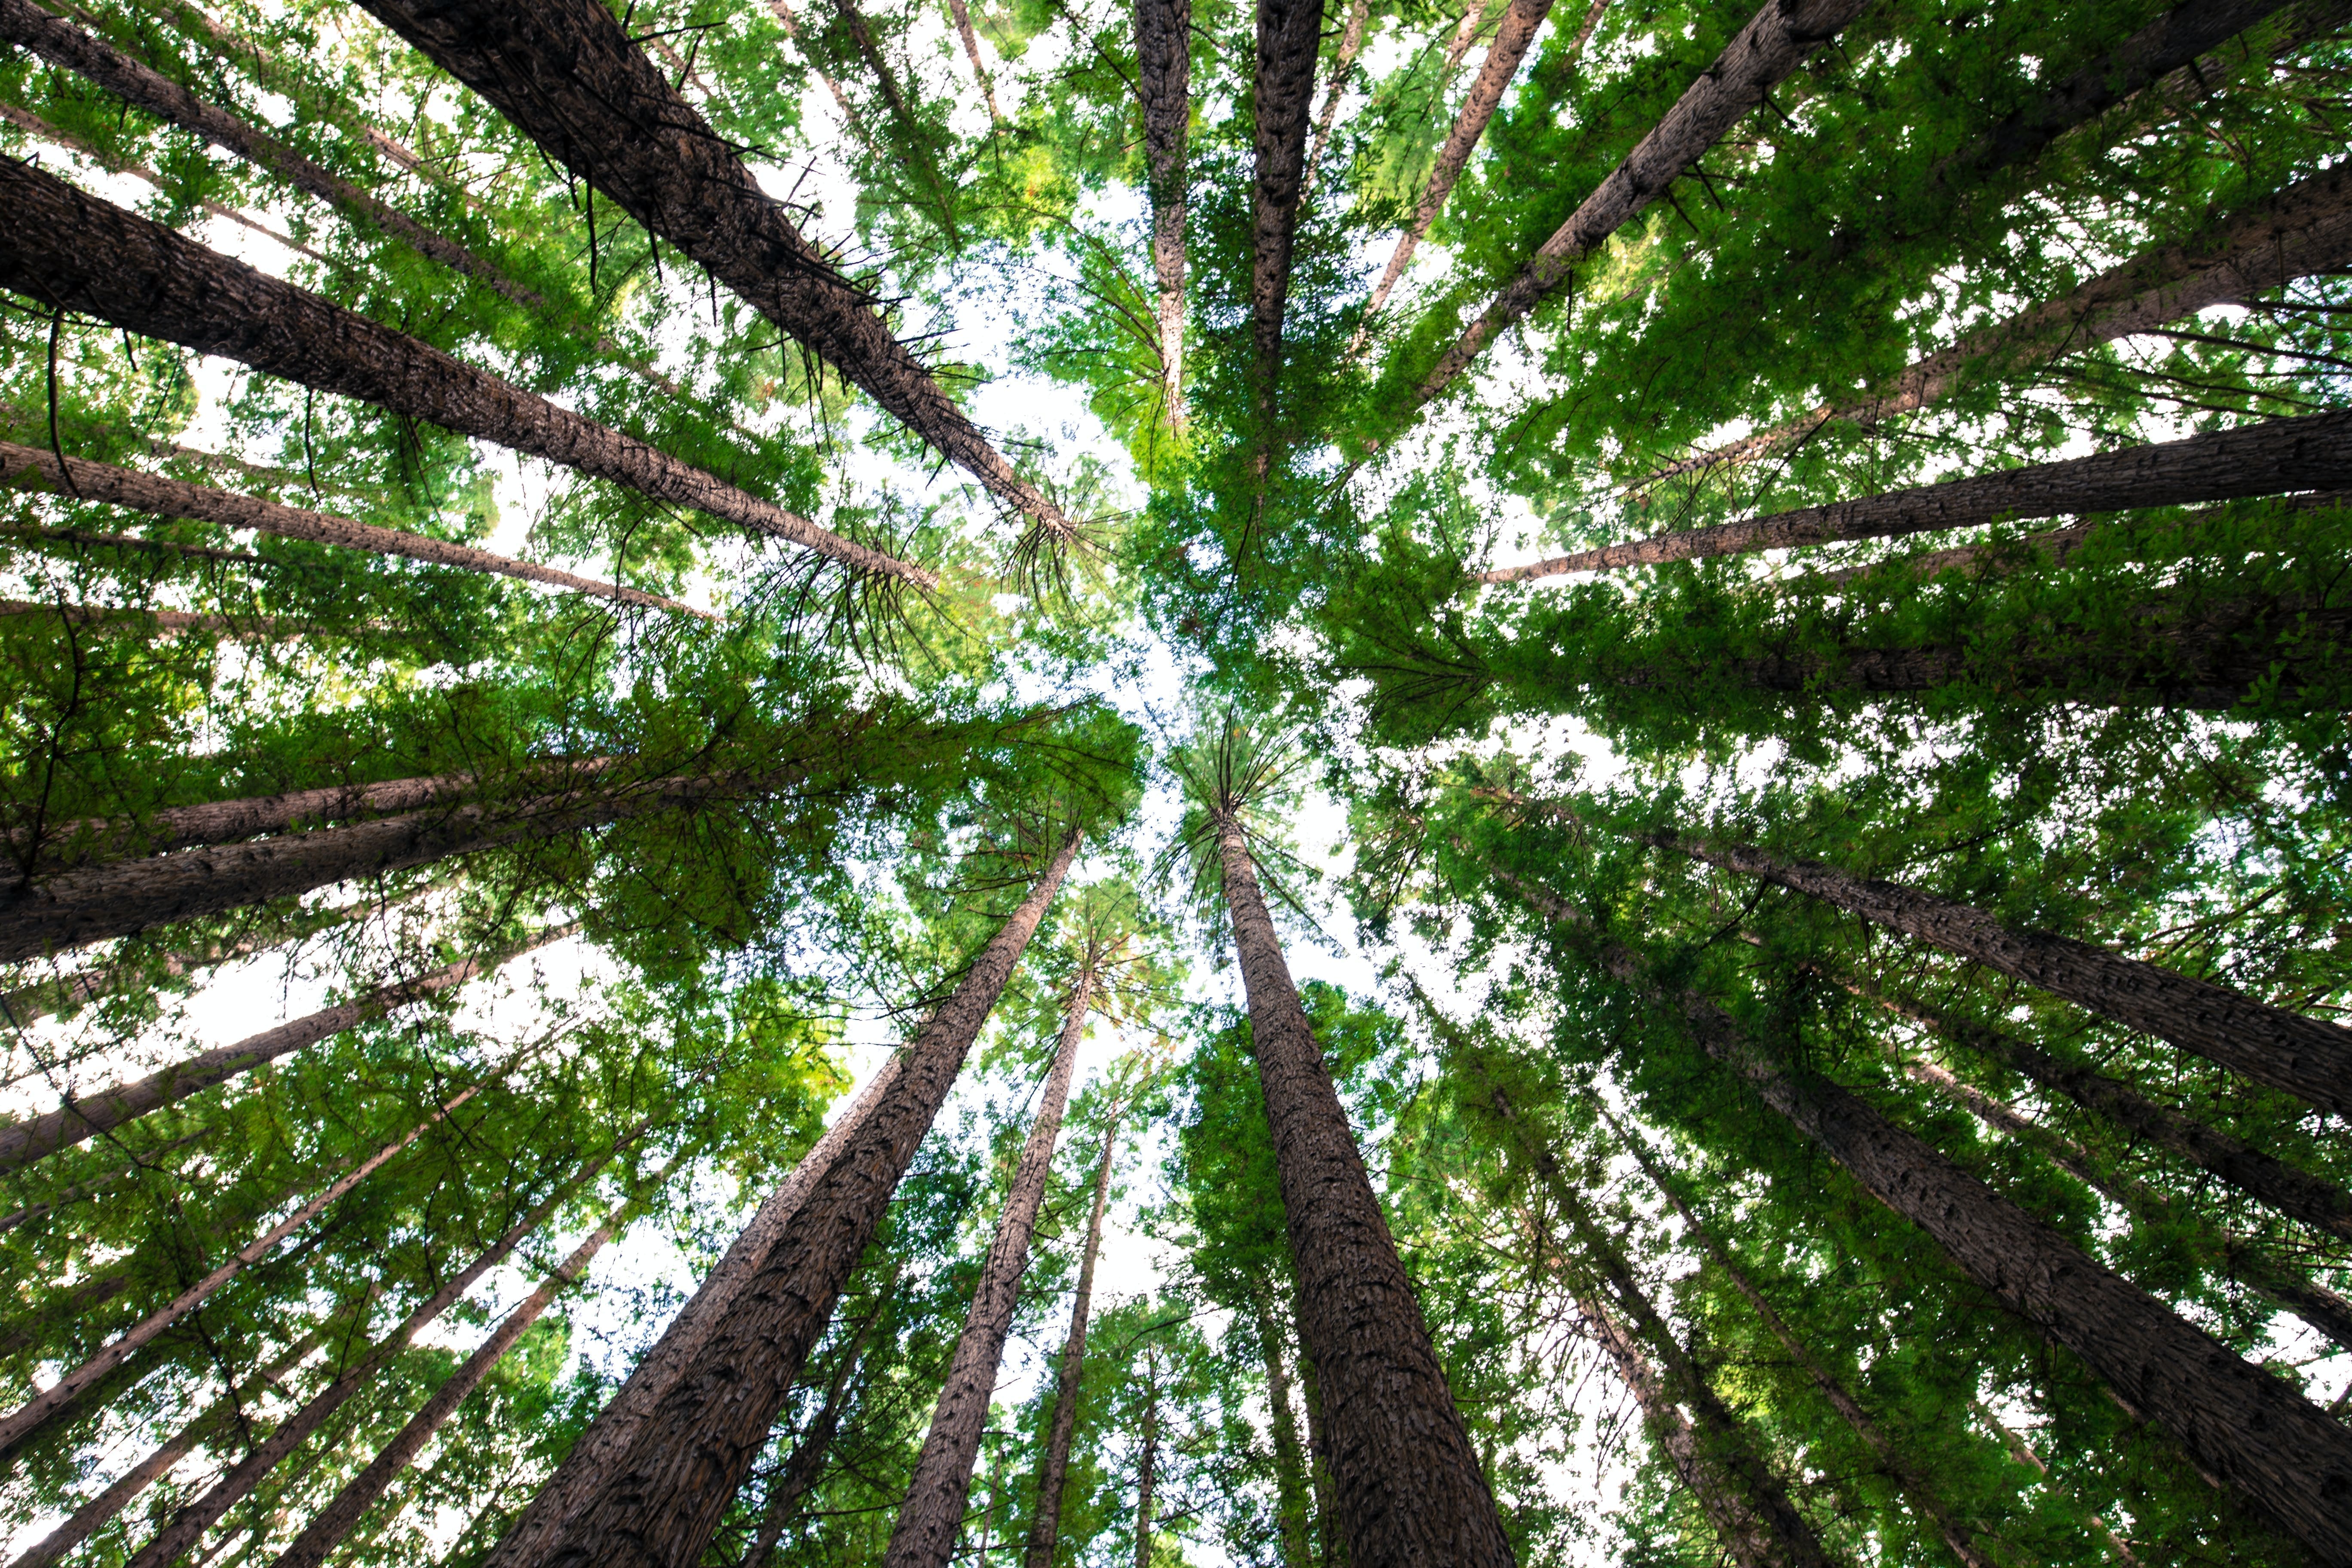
<point x="69" y="249"/>
<point x="1330" y="1550"/>
<point x="566" y="74"/>
<point x="1289" y="35"/>
<point x="1774" y="43"/>
<point x="2297" y="232"/>
<point x="658" y="1505"/>
<point x="160" y="497"/>
<point x="81" y="1117"/>
<point x="1917" y="1490"/>
<point x="1351" y="42"/>
<point x="932" y="1517"/>
<point x="1410" y="1489"/>
<point x="2310" y="452"/>
<point x="1163" y="87"/>
<point x="2288" y="1051"/>
<point x="807" y="1463"/>
<point x="1045" y="1522"/>
<point x="324" y="1533"/>
<point x="1289" y="1460"/>
<point x="1147" y="1469"/>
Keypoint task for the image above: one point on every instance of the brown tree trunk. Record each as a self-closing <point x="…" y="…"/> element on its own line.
<point x="1410" y="1489"/>
<point x="790" y="21"/>
<point x="1147" y="1469"/>
<point x="1163" y="86"/>
<point x="1917" y="1490"/>
<point x="324" y="1533"/>
<point x="2311" y="452"/>
<point x="46" y="1405"/>
<point x="2288" y="1051"/>
<point x="2297" y="232"/>
<point x="69" y="249"/>
<point x="913" y="143"/>
<point x="585" y="1468"/>
<point x="1289" y="1460"/>
<point x="807" y="1463"/>
<point x="1045" y="1522"/>
<point x="160" y="497"/>
<point x="1289" y="35"/>
<point x="566" y="74"/>
<point x="1351" y="43"/>
<point x="932" y="1517"/>
<point x="1775" y="42"/>
<point x="658" y="1505"/>
<point x="971" y="52"/>
<point x="81" y="1119"/>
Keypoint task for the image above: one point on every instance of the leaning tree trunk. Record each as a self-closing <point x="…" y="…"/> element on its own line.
<point x="1774" y="43"/>
<point x="160" y="497"/>
<point x="71" y="251"/>
<point x="81" y="1119"/>
<point x="1148" y="1463"/>
<point x="80" y="1191"/>
<point x="1351" y="42"/>
<point x="566" y="74"/>
<point x="1289" y="1461"/>
<point x="60" y="1396"/>
<point x="2298" y="232"/>
<point x="807" y="1463"/>
<point x="1916" y="1489"/>
<point x="190" y="1524"/>
<point x="1289" y="35"/>
<point x="932" y="1517"/>
<point x="2288" y="1051"/>
<point x="2311" y="452"/>
<point x="324" y="1533"/>
<point x="1163" y="85"/>
<point x="1410" y="1488"/>
<point x="657" y="1505"/>
<point x="574" y="1485"/>
<point x="1045" y="1522"/>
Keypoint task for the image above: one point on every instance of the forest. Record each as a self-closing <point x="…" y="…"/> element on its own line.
<point x="1331" y="783"/>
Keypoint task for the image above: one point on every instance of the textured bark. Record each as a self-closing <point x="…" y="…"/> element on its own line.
<point x="46" y="1405"/>
<point x="807" y="1463"/>
<point x="2288" y="1051"/>
<point x="658" y="1504"/>
<point x="2309" y="453"/>
<point x="932" y="1517"/>
<point x="1351" y="43"/>
<point x="1289" y="35"/>
<point x="1163" y="87"/>
<point x="190" y="1524"/>
<point x="160" y="497"/>
<point x="1289" y="1458"/>
<point x="1916" y="1489"/>
<point x="324" y="1533"/>
<point x="574" y="1484"/>
<point x="2301" y="231"/>
<point x="1148" y="1463"/>
<point x="1045" y="1522"/>
<point x="1410" y="1489"/>
<point x="565" y="72"/>
<point x="67" y="248"/>
<point x="1520" y="23"/>
<point x="83" y="1117"/>
<point x="1775" y="42"/>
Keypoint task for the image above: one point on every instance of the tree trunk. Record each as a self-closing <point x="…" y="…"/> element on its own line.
<point x="1289" y="35"/>
<point x="326" y="1533"/>
<point x="932" y="1517"/>
<point x="1330" y="1552"/>
<point x="566" y="74"/>
<point x="2298" y="232"/>
<point x="971" y="52"/>
<point x="189" y="1524"/>
<point x="160" y="497"/>
<point x="1410" y="1489"/>
<point x="46" y="1405"/>
<point x="585" y="1468"/>
<point x="1045" y="1523"/>
<point x="1351" y="43"/>
<point x="81" y="1119"/>
<point x="1775" y="42"/>
<point x="2288" y="1051"/>
<point x="2310" y="452"/>
<point x="914" y="145"/>
<point x="855" y="123"/>
<point x="1163" y="86"/>
<point x="1289" y="1462"/>
<point x="807" y="1463"/>
<point x="658" y="1505"/>
<point x="1146" y="1472"/>
<point x="2219" y="1250"/>
<point x="72" y="250"/>
<point x="2024" y="1455"/>
<point x="1520" y="23"/>
<point x="1922" y="1497"/>
<point x="82" y="1191"/>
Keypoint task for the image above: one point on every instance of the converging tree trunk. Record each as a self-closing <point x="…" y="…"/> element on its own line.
<point x="915" y="144"/>
<point x="81" y="1117"/>
<point x="566" y="73"/>
<point x="1163" y="86"/>
<point x="1289" y="35"/>
<point x="1330" y="1550"/>
<point x="1052" y="1476"/>
<point x="932" y="1515"/>
<point x="1290" y="1490"/>
<point x="809" y="1453"/>
<point x="1343" y="66"/>
<point x="658" y="1504"/>
<point x="69" y="250"/>
<point x="1410" y="1488"/>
